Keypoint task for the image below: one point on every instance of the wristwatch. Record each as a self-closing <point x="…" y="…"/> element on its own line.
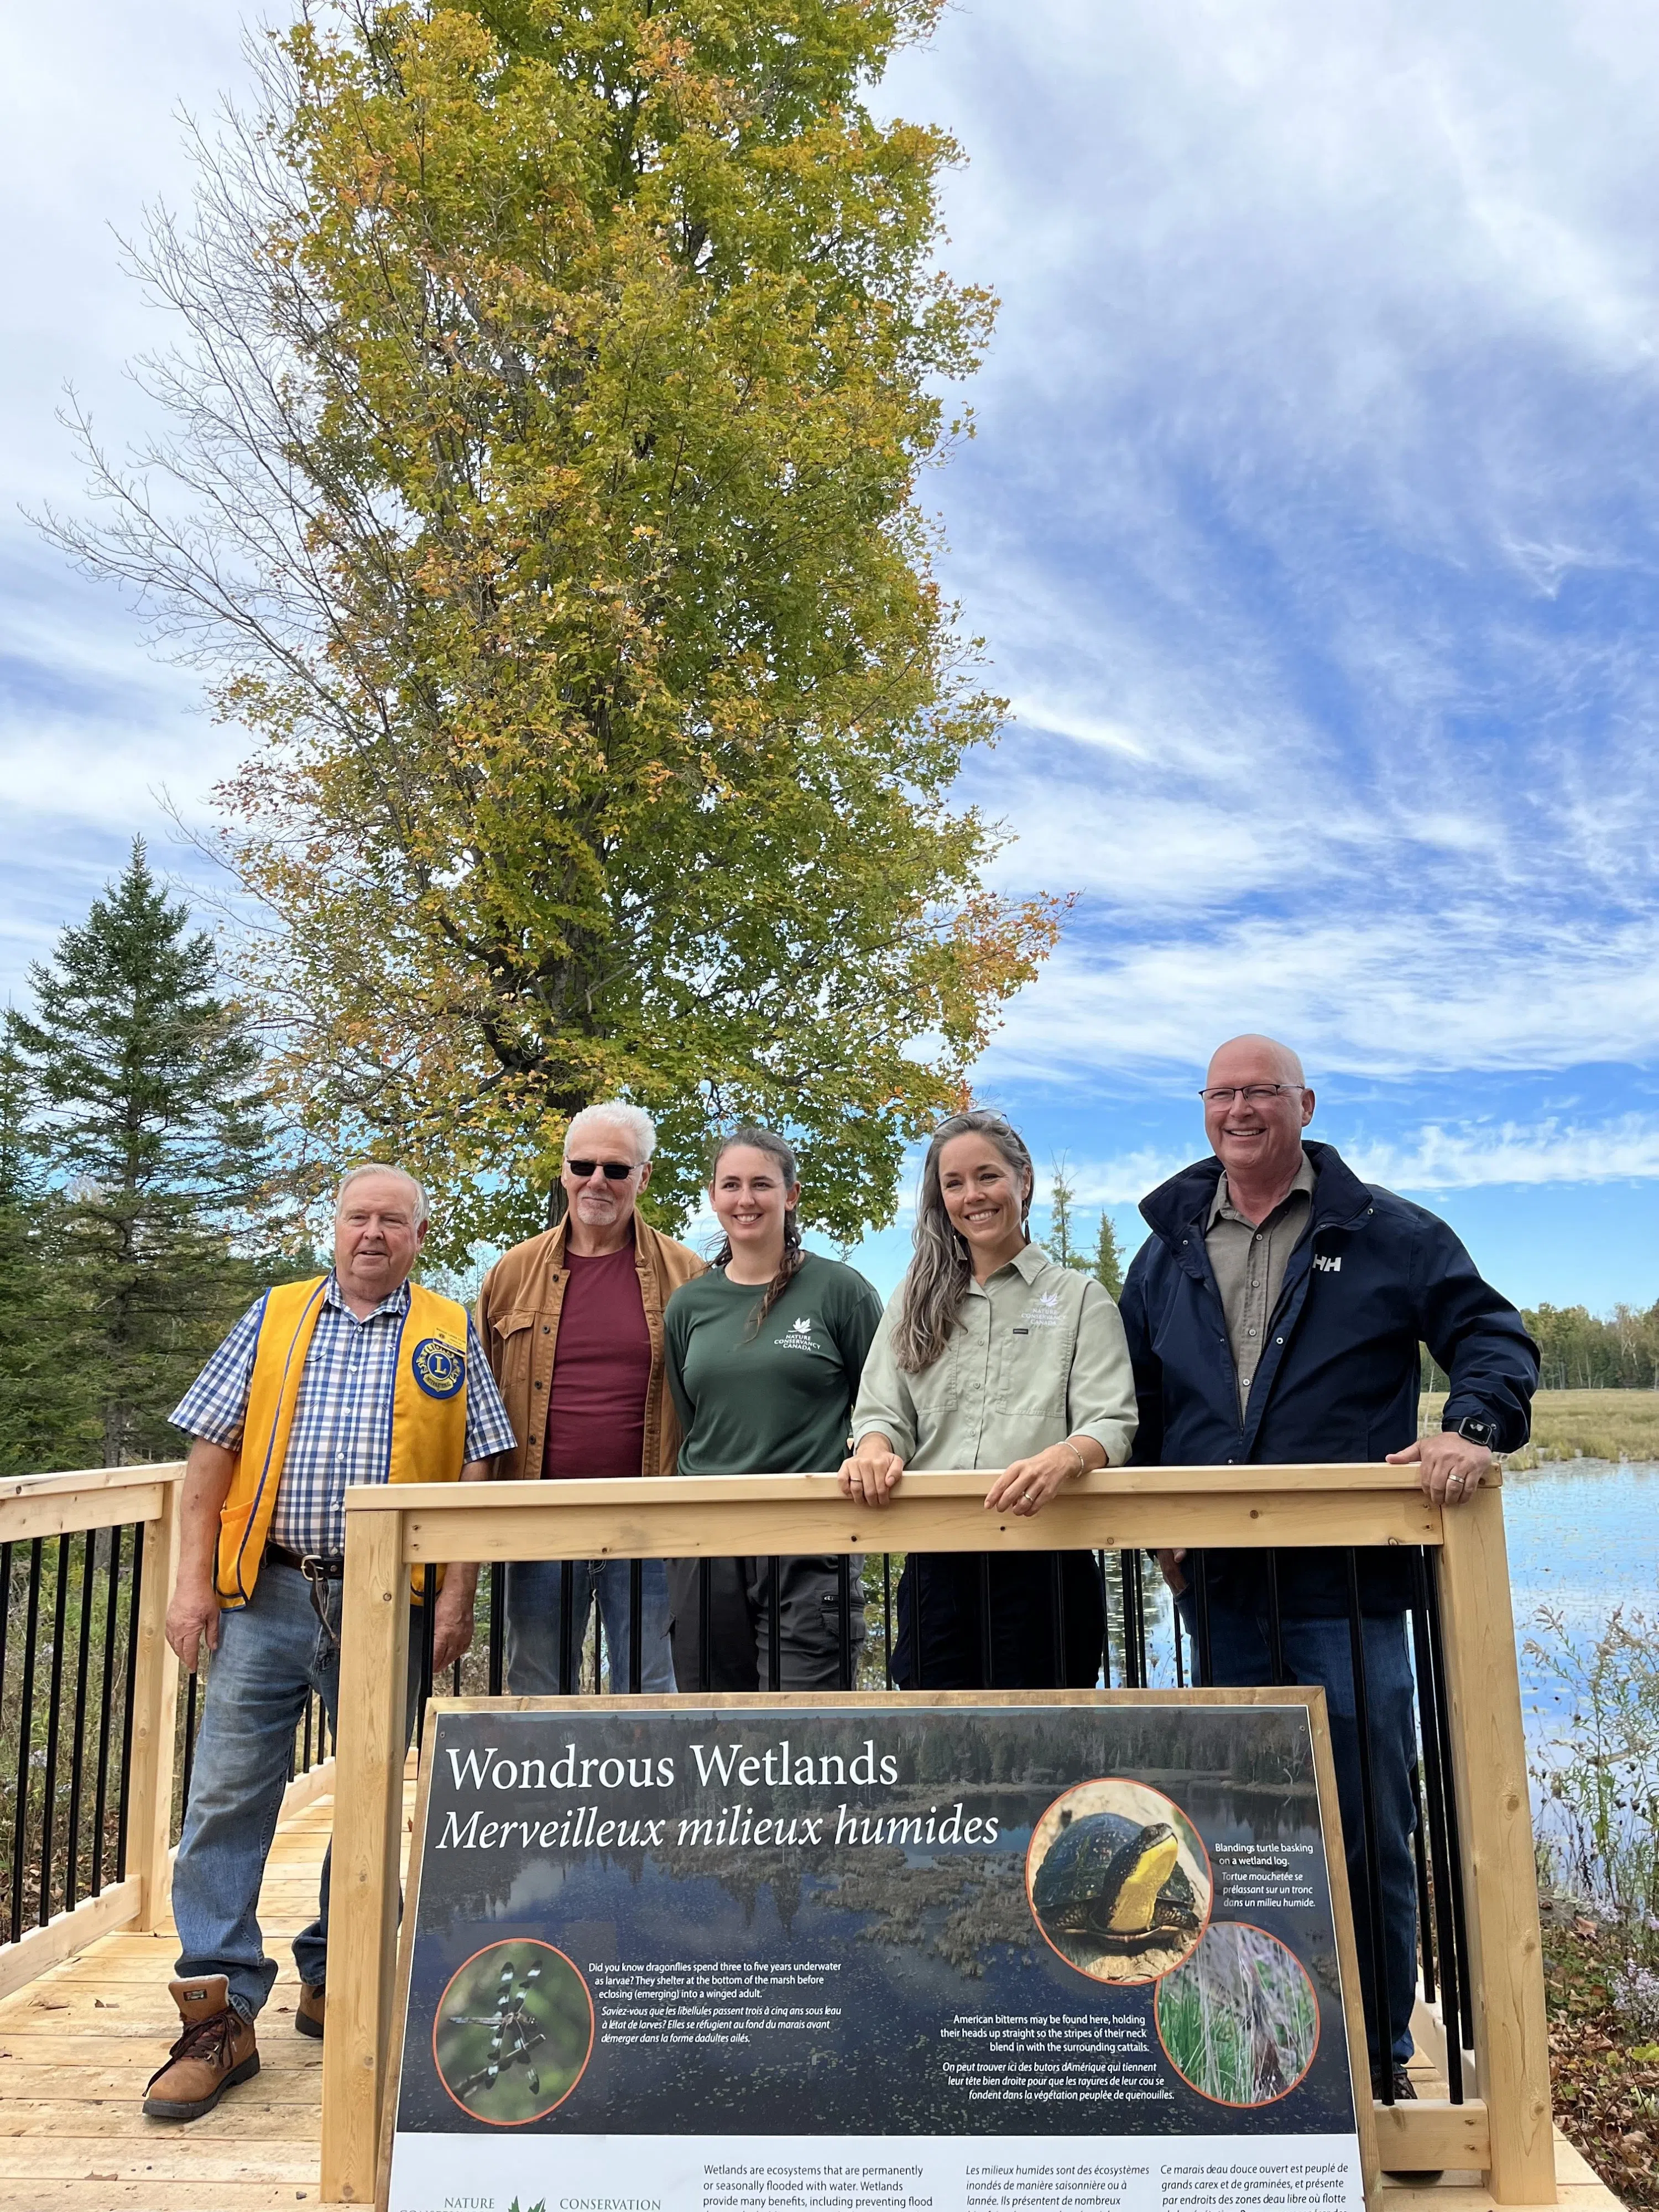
<point x="1476" y="1427"/>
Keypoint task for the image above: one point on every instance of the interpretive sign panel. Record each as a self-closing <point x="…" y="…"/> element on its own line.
<point x="1066" y="1953"/>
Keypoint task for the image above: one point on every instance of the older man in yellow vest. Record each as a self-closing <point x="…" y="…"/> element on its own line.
<point x="357" y="1375"/>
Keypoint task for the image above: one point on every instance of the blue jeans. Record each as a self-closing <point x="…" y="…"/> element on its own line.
<point x="1319" y="1651"/>
<point x="271" y="1652"/>
<point x="535" y="1622"/>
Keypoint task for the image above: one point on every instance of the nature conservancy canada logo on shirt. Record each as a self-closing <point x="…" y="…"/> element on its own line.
<point x="1043" y="1312"/>
<point x="798" y="1336"/>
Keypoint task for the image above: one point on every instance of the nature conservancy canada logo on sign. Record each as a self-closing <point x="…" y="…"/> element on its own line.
<point x="798" y="1336"/>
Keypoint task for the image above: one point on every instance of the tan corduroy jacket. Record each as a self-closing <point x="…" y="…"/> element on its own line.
<point x="518" y="1324"/>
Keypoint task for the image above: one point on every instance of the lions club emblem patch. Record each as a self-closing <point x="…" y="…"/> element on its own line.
<point x="439" y="1368"/>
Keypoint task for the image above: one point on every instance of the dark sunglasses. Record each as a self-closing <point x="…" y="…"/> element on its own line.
<point x="615" y="1170"/>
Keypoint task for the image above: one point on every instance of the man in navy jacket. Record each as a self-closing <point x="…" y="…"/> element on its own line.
<point x="1274" y="1315"/>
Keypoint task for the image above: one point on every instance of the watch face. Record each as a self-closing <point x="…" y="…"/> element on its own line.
<point x="1477" y="1432"/>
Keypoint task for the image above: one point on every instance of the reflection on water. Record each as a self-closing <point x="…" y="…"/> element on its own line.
<point x="1583" y="1536"/>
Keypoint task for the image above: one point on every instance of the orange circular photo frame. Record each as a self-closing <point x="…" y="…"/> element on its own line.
<point x="1179" y="1913"/>
<point x="513" y="2032"/>
<point x="1239" y="2021"/>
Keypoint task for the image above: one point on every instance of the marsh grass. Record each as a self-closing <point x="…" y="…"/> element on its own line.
<point x="1240" y="2018"/>
<point x="1599" y="1778"/>
<point x="1610" y="1425"/>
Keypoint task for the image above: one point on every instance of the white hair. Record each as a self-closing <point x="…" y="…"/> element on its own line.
<point x="617" y="1111"/>
<point x="380" y="1168"/>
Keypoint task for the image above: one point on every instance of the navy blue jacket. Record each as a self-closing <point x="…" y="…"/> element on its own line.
<point x="1373" y="1276"/>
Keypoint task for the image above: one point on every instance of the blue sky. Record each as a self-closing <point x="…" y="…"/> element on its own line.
<point x="1312" y="525"/>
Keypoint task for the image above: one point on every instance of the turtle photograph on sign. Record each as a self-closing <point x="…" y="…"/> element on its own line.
<point x="1119" y="1881"/>
<point x="705" y="1953"/>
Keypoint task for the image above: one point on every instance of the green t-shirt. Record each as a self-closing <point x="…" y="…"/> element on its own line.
<point x="776" y="1399"/>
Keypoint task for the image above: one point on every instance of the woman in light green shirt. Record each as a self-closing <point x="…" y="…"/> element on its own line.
<point x="993" y="1355"/>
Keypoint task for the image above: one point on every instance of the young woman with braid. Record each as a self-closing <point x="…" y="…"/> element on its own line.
<point x="763" y="1356"/>
<point x="993" y="1355"/>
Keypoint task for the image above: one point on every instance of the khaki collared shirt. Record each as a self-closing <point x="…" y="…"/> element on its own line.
<point x="1037" y="1355"/>
<point x="1249" y="1259"/>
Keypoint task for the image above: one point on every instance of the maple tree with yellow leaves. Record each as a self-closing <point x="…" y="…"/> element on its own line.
<point x="554" y="383"/>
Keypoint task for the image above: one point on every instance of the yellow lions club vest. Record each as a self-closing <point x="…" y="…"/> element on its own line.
<point x="428" y="1439"/>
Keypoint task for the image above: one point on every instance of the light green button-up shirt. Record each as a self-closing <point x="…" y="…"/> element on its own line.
<point x="1037" y="1355"/>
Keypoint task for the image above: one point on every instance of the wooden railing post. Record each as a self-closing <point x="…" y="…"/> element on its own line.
<point x="368" y="1805"/>
<point x="1500" y="1883"/>
<point x="155" y="1719"/>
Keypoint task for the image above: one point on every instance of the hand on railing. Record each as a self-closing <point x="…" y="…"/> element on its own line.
<point x="1027" y="1487"/>
<point x="870" y="1474"/>
<point x="1452" y="1466"/>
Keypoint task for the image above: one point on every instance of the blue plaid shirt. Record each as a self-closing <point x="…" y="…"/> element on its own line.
<point x="343" y="1417"/>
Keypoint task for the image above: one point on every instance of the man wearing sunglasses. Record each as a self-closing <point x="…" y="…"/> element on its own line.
<point x="1275" y="1314"/>
<point x="572" y="1326"/>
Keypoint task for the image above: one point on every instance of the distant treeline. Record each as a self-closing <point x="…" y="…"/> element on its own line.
<point x="1582" y="1350"/>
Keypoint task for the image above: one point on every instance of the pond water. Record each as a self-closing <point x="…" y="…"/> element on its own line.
<point x="1583" y="1537"/>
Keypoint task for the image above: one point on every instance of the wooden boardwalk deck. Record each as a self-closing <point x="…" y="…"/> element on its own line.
<point x="77" y="2045"/>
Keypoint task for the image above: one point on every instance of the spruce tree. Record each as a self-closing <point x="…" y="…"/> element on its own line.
<point x="46" y="1415"/>
<point x="153" y="1127"/>
<point x="1108" y="1261"/>
<point x="1062" y="1196"/>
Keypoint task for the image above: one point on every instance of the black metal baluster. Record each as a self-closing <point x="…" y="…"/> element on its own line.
<point x="5" y="1608"/>
<point x="1203" y="1671"/>
<point x="54" y="1724"/>
<point x="193" y="1691"/>
<point x="1425" y="1939"/>
<point x="1455" y="2002"/>
<point x="599" y="1648"/>
<point x="705" y="1622"/>
<point x="773" y="1627"/>
<point x="887" y="1616"/>
<point x="1175" y="1624"/>
<point x="1450" y="1780"/>
<point x="1057" y="1616"/>
<point x="126" y="1791"/>
<point x="24" y="1740"/>
<point x="1105" y="1622"/>
<point x="636" y="1625"/>
<point x="987" y="1658"/>
<point x="844" y="1616"/>
<point x="568" y="1671"/>
<point x="1138" y="1588"/>
<point x="497" y="1641"/>
<point x="1275" y="1620"/>
<point x="101" y="1788"/>
<point x="429" y="1625"/>
<point x="1378" y="1975"/>
<point x="78" y="1746"/>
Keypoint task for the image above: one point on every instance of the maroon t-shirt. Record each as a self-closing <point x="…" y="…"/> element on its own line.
<point x="601" y="1370"/>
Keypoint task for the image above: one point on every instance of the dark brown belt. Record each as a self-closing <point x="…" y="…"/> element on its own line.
<point x="317" y="1571"/>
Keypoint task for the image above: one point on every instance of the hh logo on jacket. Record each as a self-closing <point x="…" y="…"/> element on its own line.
<point x="1324" y="1260"/>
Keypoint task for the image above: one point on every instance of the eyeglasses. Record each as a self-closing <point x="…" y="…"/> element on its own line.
<point x="1253" y="1094"/>
<point x="613" y="1170"/>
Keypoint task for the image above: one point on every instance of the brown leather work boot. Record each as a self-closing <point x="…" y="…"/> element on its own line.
<point x="308" y="2013"/>
<point x="214" y="2053"/>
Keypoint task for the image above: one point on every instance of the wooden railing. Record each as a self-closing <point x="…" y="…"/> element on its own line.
<point x="1504" y="2128"/>
<point x="95" y="1757"/>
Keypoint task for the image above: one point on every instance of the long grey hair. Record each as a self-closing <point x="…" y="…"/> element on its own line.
<point x="938" y="1279"/>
